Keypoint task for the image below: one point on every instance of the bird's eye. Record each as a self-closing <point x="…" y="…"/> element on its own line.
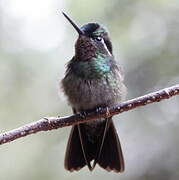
<point x="98" y="38"/>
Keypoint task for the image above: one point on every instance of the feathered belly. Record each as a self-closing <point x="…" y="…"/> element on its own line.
<point x="89" y="94"/>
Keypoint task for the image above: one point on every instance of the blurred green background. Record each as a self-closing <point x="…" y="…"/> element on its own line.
<point x="35" y="44"/>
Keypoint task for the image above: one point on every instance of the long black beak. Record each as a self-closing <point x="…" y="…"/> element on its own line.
<point x="80" y="32"/>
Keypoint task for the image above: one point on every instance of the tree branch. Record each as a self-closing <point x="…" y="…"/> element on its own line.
<point x="50" y="123"/>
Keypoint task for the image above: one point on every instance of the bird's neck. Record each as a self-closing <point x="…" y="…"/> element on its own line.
<point x="96" y="67"/>
<point x="84" y="49"/>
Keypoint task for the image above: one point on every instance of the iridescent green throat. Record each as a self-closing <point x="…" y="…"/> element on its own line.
<point x="94" y="68"/>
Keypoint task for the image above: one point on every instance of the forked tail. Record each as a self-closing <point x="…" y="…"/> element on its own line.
<point x="106" y="151"/>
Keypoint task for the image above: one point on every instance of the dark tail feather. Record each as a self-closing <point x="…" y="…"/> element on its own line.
<point x="74" y="159"/>
<point x="77" y="153"/>
<point x="99" y="144"/>
<point x="111" y="157"/>
<point x="106" y="151"/>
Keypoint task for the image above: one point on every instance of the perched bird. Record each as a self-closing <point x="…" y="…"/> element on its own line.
<point x="93" y="79"/>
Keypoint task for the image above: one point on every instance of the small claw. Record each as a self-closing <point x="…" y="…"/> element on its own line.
<point x="98" y="109"/>
<point x="83" y="114"/>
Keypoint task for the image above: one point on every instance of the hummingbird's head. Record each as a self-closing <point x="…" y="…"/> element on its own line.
<point x="93" y="39"/>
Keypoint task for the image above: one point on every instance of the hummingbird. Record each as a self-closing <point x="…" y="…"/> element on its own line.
<point x="93" y="80"/>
